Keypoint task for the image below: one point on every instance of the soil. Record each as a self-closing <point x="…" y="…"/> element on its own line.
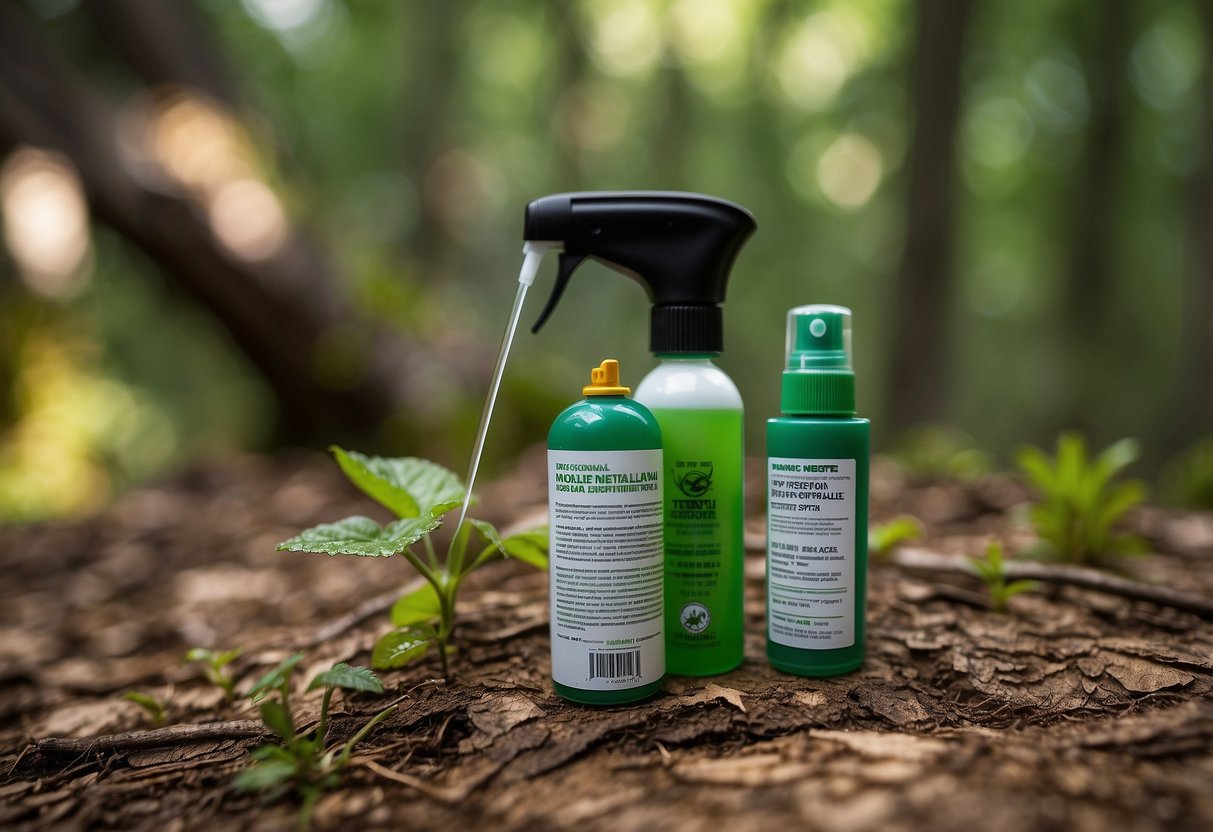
<point x="1077" y="710"/>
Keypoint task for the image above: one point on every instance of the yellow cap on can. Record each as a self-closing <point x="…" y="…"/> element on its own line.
<point x="604" y="381"/>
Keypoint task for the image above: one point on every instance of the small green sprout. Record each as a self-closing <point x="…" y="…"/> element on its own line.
<point x="302" y="761"/>
<point x="214" y="668"/>
<point x="155" y="708"/>
<point x="1188" y="478"/>
<point x="991" y="568"/>
<point x="886" y="537"/>
<point x="1080" y="504"/>
<point x="419" y="492"/>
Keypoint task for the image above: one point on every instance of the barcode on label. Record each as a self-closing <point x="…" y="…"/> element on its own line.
<point x="614" y="665"/>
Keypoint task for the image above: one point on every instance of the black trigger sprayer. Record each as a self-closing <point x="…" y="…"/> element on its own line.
<point x="679" y="246"/>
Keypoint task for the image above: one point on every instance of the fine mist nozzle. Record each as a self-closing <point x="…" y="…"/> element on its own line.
<point x="679" y="246"/>
<point x="818" y="376"/>
<point x="819" y="337"/>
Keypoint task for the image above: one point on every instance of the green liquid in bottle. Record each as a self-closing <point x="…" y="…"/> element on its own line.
<point x="704" y="540"/>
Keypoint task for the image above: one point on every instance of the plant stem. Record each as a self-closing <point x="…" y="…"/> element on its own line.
<point x="425" y="572"/>
<point x="446" y="620"/>
<point x="310" y="796"/>
<point x="361" y="735"/>
<point x="430" y="554"/>
<point x="323" y="726"/>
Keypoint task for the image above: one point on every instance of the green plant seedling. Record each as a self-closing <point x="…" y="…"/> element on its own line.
<point x="302" y="761"/>
<point x="886" y="537"/>
<point x="1079" y="502"/>
<point x="419" y="492"/>
<point x="153" y="707"/>
<point x="991" y="568"/>
<point x="214" y="668"/>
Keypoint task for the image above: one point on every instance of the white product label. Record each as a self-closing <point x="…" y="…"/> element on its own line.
<point x="605" y="518"/>
<point x="811" y="552"/>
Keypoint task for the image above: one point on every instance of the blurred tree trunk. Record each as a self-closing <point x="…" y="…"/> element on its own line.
<point x="279" y="311"/>
<point x="1090" y="284"/>
<point x="165" y="43"/>
<point x="570" y="73"/>
<point x="921" y="367"/>
<point x="434" y="61"/>
<point x="1193" y="410"/>
<point x="669" y="168"/>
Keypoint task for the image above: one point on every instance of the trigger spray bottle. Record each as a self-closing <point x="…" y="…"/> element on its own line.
<point x="604" y="516"/>
<point x="817" y="509"/>
<point x="680" y="247"/>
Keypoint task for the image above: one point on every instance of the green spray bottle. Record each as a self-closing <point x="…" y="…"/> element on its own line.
<point x="817" y="502"/>
<point x="680" y="247"/>
<point x="605" y="521"/>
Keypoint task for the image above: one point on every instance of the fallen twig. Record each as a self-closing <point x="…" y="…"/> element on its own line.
<point x="1079" y="576"/>
<point x="156" y="738"/>
<point x="443" y="794"/>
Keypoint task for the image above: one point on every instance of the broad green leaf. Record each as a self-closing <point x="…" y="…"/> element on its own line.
<point x="276" y="678"/>
<point x="278" y="720"/>
<point x="362" y="536"/>
<point x="342" y="675"/>
<point x="404" y="646"/>
<point x="419" y="606"/>
<point x="264" y="775"/>
<point x="530" y="547"/>
<point x="409" y="486"/>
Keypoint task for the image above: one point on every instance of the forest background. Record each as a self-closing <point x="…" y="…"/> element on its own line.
<point x="243" y="226"/>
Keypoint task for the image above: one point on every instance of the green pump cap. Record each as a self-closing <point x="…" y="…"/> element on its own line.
<point x="818" y="379"/>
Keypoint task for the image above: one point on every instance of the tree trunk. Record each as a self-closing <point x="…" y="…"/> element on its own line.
<point x="920" y="376"/>
<point x="1091" y="277"/>
<point x="1192" y="415"/>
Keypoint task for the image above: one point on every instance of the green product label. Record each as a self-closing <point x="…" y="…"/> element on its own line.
<point x="704" y="547"/>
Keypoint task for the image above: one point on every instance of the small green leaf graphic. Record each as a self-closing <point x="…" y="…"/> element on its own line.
<point x="342" y="675"/>
<point x="402" y="647"/>
<point x="419" y="606"/>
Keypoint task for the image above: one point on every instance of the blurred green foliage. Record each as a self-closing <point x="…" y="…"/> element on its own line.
<point x="1080" y="504"/>
<point x="408" y="137"/>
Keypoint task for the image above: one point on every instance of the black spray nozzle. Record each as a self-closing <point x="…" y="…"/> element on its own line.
<point x="679" y="246"/>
